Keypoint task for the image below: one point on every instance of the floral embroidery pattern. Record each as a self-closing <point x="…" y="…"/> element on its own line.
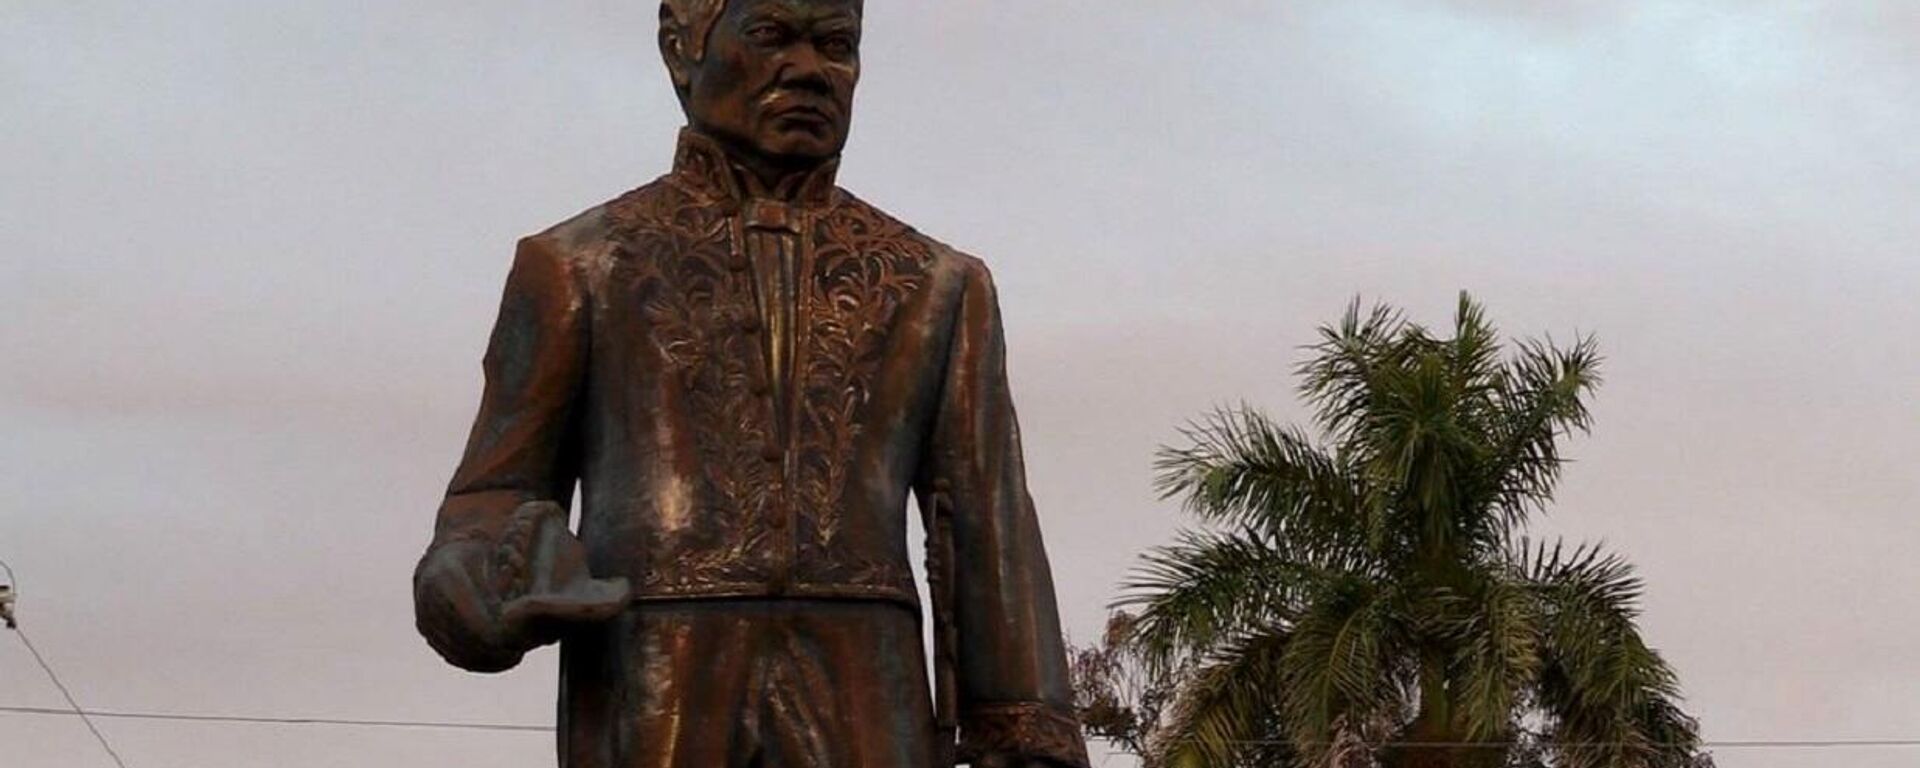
<point x="683" y="263"/>
<point x="1025" y="729"/>
<point x="679" y="264"/>
<point x="865" y="264"/>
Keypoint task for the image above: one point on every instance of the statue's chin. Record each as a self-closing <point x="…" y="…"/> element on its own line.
<point x="799" y="146"/>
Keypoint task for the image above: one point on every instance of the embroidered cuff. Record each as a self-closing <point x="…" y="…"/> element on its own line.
<point x="1031" y="731"/>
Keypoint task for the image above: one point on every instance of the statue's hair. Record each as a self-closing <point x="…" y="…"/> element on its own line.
<point x="693" y="19"/>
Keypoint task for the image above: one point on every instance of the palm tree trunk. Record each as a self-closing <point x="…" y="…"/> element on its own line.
<point x="1436" y="738"/>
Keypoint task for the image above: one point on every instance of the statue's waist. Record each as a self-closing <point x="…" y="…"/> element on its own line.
<point x="900" y="593"/>
<point x="863" y="557"/>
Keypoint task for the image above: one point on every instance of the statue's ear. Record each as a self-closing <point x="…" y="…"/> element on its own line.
<point x="673" y="50"/>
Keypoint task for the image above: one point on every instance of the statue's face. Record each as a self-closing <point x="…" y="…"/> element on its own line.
<point x="777" y="79"/>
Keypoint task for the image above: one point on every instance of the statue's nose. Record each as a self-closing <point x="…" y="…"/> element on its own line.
<point x="804" y="66"/>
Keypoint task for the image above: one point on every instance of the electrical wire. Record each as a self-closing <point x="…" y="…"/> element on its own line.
<point x="325" y="721"/>
<point x="282" y="720"/>
<point x="1731" y="744"/>
<point x="86" y="716"/>
<point x="14" y="583"/>
<point x="76" y="710"/>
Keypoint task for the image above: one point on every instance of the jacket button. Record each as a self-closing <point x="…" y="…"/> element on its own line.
<point x="771" y="453"/>
<point x="749" y="324"/>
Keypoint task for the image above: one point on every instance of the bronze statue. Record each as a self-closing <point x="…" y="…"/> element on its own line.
<point x="746" y="369"/>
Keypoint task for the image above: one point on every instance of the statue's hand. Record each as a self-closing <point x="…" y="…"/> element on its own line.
<point x="558" y="590"/>
<point x="453" y="609"/>
<point x="483" y="605"/>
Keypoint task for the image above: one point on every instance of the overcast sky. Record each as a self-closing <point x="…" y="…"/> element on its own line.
<point x="250" y="252"/>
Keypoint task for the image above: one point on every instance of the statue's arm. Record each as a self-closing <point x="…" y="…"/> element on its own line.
<point x="1014" y="701"/>
<point x="503" y="572"/>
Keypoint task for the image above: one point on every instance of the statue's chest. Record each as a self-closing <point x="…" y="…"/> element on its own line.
<point x="768" y="345"/>
<point x="800" y="313"/>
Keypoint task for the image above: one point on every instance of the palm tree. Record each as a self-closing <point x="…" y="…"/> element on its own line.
<point x="1368" y="598"/>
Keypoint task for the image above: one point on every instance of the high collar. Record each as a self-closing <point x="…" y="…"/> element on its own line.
<point x="701" y="163"/>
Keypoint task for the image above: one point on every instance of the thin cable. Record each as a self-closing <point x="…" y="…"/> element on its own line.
<point x="283" y="720"/>
<point x="97" y="735"/>
<point x="1732" y="744"/>
<point x="14" y="582"/>
<point x="1834" y="743"/>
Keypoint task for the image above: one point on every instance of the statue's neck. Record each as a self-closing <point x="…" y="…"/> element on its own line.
<point x="759" y="178"/>
<point x="736" y="172"/>
<point x="765" y="177"/>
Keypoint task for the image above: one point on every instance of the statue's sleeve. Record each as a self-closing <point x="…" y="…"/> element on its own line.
<point x="524" y="443"/>
<point x="992" y="587"/>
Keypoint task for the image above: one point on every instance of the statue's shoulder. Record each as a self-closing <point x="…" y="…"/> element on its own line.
<point x="643" y="206"/>
<point x="592" y="238"/>
<point x="883" y="230"/>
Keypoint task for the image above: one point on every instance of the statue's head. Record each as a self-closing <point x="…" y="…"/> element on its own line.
<point x="771" y="78"/>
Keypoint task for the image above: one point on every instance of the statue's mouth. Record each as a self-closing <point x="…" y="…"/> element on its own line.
<point x="803" y="112"/>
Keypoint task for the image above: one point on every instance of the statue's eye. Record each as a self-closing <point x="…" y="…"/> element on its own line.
<point x="837" y="46"/>
<point x="765" y="34"/>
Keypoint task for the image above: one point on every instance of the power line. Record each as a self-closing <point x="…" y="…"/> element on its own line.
<point x="76" y="710"/>
<point x="509" y="727"/>
<point x="1731" y="744"/>
<point x="86" y="716"/>
<point x="1811" y="744"/>
<point x="282" y="720"/>
<point x="44" y="666"/>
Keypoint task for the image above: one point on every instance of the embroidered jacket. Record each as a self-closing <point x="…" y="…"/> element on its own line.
<point x="745" y="391"/>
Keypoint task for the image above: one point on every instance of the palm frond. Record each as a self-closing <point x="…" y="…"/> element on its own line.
<point x="1345" y="660"/>
<point x="1210" y="586"/>
<point x="1419" y="442"/>
<point x="1341" y="376"/>
<point x="1585" y="587"/>
<point x="1495" y="639"/>
<point x="1241" y="468"/>
<point x="1673" y="734"/>
<point x="1611" y="699"/>
<point x="1462" y="443"/>
<point x="1474" y="354"/>
<point x="1545" y="398"/>
<point x="1222" y="715"/>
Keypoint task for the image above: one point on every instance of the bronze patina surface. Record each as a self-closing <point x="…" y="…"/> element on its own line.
<point x="746" y="370"/>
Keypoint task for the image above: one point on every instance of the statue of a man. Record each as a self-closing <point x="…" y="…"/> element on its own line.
<point x="746" y="370"/>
